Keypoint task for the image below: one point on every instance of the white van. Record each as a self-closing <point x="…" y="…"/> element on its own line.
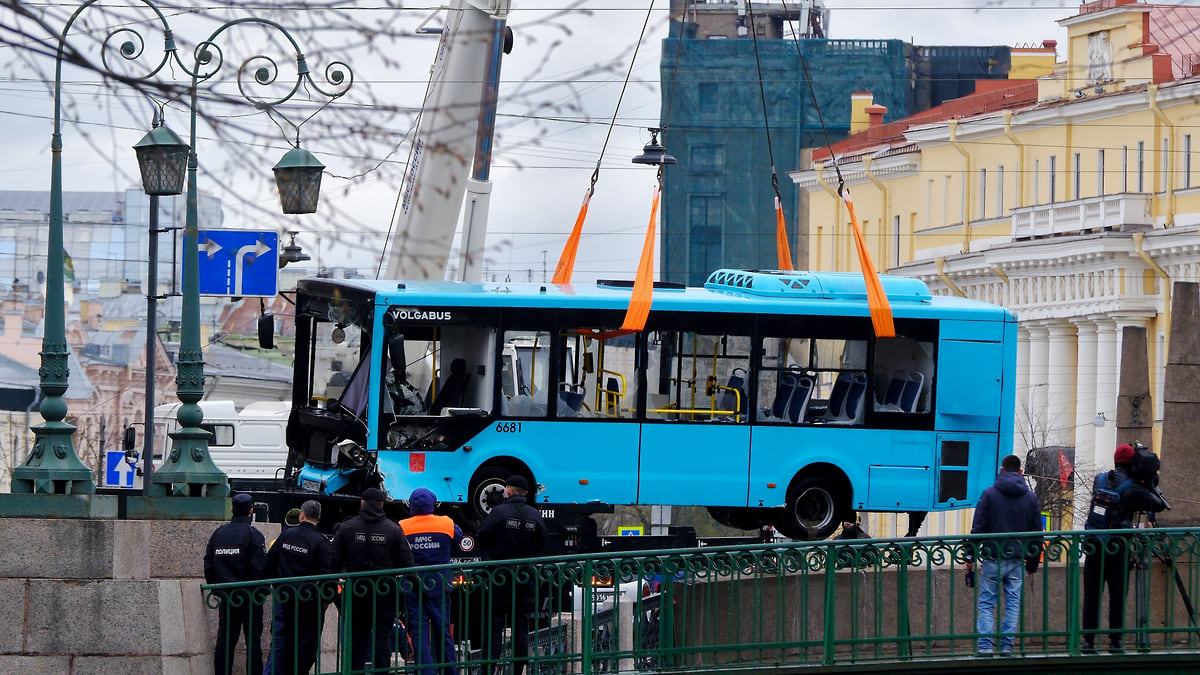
<point x="249" y="446"/>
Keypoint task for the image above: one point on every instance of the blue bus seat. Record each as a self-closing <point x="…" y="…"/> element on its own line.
<point x="612" y="397"/>
<point x="571" y="397"/>
<point x="787" y="385"/>
<point x="731" y="401"/>
<point x="854" y="398"/>
<point x="912" y="391"/>
<point x="895" y="389"/>
<point x="798" y="406"/>
<point x="454" y="388"/>
<point x="845" y="401"/>
<point x="837" y="397"/>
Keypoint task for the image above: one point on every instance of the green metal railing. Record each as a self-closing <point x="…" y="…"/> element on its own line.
<point x="762" y="607"/>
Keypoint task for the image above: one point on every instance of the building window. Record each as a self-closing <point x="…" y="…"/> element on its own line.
<point x="1187" y="160"/>
<point x="1000" y="191"/>
<point x="982" y="194"/>
<point x="710" y="97"/>
<point x="1124" y="168"/>
<point x="1075" y="179"/>
<point x="896" y="241"/>
<point x="1037" y="181"/>
<point x="705" y="225"/>
<point x="707" y="158"/>
<point x="1053" y="177"/>
<point x="1100" y="172"/>
<point x="928" y="203"/>
<point x="946" y="199"/>
<point x="1165" y="170"/>
<point x="1141" y="166"/>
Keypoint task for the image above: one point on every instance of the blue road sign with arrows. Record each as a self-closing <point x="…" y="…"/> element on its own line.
<point x="238" y="263"/>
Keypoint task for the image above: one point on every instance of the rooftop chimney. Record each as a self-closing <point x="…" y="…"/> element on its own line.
<point x="875" y="113"/>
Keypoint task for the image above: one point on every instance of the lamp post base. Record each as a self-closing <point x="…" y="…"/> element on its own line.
<point x="189" y="470"/>
<point x="53" y="467"/>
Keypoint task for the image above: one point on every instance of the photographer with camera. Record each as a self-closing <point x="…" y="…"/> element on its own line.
<point x="1118" y="496"/>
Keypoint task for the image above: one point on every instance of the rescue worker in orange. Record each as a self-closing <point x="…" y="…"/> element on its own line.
<point x="432" y="539"/>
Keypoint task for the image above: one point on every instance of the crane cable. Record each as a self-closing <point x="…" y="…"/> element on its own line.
<point x="877" y="300"/>
<point x="783" y="251"/>
<point x="566" y="260"/>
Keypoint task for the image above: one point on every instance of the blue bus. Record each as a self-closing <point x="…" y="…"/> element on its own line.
<point x="763" y="396"/>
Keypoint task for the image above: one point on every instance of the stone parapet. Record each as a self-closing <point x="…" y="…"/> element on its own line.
<point x="106" y="596"/>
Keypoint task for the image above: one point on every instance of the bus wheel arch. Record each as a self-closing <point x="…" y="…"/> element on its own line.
<point x="818" y="499"/>
<point x="488" y="480"/>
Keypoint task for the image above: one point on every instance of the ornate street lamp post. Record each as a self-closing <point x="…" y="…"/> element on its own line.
<point x="53" y="466"/>
<point x="189" y="470"/>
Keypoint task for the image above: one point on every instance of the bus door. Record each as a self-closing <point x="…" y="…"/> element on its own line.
<point x="695" y="440"/>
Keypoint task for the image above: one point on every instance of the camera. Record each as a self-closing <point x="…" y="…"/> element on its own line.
<point x="1144" y="472"/>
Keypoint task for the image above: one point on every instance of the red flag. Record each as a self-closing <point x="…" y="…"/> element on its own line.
<point x="1064" y="468"/>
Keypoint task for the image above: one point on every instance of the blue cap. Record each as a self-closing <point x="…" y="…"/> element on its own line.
<point x="422" y="502"/>
<point x="242" y="504"/>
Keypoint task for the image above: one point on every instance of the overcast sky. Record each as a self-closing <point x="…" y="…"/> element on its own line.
<point x="554" y="115"/>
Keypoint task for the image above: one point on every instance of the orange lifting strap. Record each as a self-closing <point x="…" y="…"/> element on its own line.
<point x="643" y="283"/>
<point x="877" y="302"/>
<point x="782" y="250"/>
<point x="566" y="261"/>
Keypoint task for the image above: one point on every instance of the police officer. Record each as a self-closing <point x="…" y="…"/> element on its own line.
<point x="237" y="552"/>
<point x="299" y="551"/>
<point x="366" y="542"/>
<point x="512" y="530"/>
<point x="432" y="539"/>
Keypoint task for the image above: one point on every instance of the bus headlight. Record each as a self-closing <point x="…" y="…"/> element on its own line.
<point x="353" y="452"/>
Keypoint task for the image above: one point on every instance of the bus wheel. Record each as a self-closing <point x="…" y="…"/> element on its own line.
<point x="737" y="517"/>
<point x="487" y="489"/>
<point x="811" y="510"/>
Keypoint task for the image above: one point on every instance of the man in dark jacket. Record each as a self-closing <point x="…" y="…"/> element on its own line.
<point x="299" y="551"/>
<point x="367" y="542"/>
<point x="512" y="530"/>
<point x="237" y="552"/>
<point x="1007" y="506"/>
<point x="432" y="539"/>
<point x="1107" y="556"/>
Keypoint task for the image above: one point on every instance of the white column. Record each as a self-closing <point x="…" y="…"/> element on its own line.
<point x="1061" y="395"/>
<point x="1035" y="424"/>
<point x="1107" y="350"/>
<point x="1085" y="414"/>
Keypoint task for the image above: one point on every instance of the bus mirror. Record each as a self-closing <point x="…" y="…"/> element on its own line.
<point x="130" y="438"/>
<point x="396" y="354"/>
<point x="588" y="366"/>
<point x="266" y="331"/>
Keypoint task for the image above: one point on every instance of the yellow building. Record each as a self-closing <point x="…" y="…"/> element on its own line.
<point x="1070" y="199"/>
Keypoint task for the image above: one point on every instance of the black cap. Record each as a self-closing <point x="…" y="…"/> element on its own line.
<point x="373" y="495"/>
<point x="517" y="482"/>
<point x="242" y="504"/>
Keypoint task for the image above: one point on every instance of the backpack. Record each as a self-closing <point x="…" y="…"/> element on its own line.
<point x="1105" y="510"/>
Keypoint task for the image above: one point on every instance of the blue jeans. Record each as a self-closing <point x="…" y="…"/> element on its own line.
<point x="1008" y="575"/>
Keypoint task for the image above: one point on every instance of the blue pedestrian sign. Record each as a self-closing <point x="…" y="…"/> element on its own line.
<point x="117" y="472"/>
<point x="238" y="263"/>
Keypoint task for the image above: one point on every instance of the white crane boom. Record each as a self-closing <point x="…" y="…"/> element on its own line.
<point x="452" y="148"/>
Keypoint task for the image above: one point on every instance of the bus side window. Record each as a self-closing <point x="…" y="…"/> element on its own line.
<point x="903" y="375"/>
<point x="785" y="384"/>
<point x="525" y="374"/>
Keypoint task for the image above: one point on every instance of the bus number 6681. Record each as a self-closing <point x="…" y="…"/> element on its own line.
<point x="508" y="427"/>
